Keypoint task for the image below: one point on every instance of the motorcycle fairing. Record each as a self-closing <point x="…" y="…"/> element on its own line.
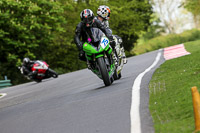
<point x="40" y="66"/>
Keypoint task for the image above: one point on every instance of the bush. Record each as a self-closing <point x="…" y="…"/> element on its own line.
<point x="165" y="41"/>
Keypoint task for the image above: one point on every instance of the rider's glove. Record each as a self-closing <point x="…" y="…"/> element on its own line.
<point x="112" y="44"/>
<point x="80" y="46"/>
<point x="81" y="53"/>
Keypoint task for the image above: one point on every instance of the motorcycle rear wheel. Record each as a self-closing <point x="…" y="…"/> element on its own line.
<point x="116" y="75"/>
<point x="119" y="75"/>
<point x="38" y="80"/>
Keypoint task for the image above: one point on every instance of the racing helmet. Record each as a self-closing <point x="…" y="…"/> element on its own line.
<point x="104" y="12"/>
<point x="26" y="61"/>
<point x="87" y="17"/>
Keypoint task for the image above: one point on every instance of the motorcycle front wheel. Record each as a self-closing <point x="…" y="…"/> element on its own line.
<point x="53" y="73"/>
<point x="104" y="71"/>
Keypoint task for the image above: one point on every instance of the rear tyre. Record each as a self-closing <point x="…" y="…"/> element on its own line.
<point x="119" y="75"/>
<point x="104" y="71"/>
<point x="115" y="75"/>
<point x="38" y="80"/>
<point x="112" y="79"/>
<point x="53" y="73"/>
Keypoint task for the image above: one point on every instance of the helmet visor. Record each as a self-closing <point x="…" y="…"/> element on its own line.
<point x="88" y="20"/>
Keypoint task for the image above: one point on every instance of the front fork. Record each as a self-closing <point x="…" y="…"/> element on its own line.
<point x="109" y="59"/>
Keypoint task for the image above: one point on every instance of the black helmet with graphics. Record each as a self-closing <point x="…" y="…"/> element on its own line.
<point x="87" y="17"/>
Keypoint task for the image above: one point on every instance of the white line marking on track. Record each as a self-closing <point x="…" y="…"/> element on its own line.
<point x="2" y="95"/>
<point x="134" y="113"/>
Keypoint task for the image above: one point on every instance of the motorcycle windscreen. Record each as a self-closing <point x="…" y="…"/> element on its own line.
<point x="98" y="42"/>
<point x="96" y="35"/>
<point x="99" y="39"/>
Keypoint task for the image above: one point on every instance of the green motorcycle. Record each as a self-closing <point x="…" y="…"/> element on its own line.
<point x="99" y="55"/>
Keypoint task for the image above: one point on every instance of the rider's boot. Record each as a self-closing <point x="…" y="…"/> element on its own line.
<point x="124" y="56"/>
<point x="88" y="64"/>
<point x="116" y="58"/>
<point x="32" y="75"/>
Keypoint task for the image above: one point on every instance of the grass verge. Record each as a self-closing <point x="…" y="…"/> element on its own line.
<point x="170" y="92"/>
<point x="165" y="41"/>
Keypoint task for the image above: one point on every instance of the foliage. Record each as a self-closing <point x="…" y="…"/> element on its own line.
<point x="129" y="18"/>
<point x="65" y="57"/>
<point x="168" y="40"/>
<point x="44" y="30"/>
<point x="170" y="92"/>
<point x="154" y="30"/>
<point x="26" y="29"/>
<point x="193" y="7"/>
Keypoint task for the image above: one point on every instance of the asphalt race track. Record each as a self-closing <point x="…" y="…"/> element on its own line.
<point x="78" y="102"/>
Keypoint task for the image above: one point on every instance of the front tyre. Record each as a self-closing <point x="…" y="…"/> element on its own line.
<point x="52" y="73"/>
<point x="104" y="71"/>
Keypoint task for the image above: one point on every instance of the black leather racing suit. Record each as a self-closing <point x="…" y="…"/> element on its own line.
<point x="83" y="33"/>
<point x="105" y="23"/>
<point x="27" y="69"/>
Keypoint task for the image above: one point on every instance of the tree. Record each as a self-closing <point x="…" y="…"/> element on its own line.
<point x="153" y="31"/>
<point x="129" y="18"/>
<point x="66" y="59"/>
<point x="171" y="15"/>
<point x="44" y="30"/>
<point x="193" y="7"/>
<point x="26" y="29"/>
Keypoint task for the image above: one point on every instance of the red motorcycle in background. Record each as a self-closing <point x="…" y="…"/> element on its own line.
<point x="43" y="71"/>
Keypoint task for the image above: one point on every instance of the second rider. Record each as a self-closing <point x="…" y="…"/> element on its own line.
<point x="103" y="13"/>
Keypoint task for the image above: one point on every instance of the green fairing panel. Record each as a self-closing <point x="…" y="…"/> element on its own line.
<point x="107" y="47"/>
<point x="110" y="51"/>
<point x="91" y="50"/>
<point x="112" y="68"/>
<point x="100" y="55"/>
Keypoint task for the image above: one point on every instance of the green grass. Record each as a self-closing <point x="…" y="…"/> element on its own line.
<point x="170" y="92"/>
<point x="168" y="40"/>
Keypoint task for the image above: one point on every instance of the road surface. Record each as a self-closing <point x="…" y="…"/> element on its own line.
<point x="78" y="102"/>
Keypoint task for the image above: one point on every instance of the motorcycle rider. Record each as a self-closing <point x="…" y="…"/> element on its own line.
<point x="83" y="31"/>
<point x="103" y="13"/>
<point x="26" y="67"/>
